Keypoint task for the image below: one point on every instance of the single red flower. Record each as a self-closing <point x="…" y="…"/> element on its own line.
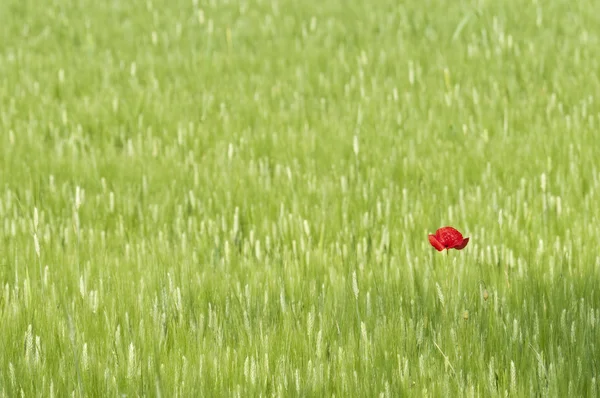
<point x="448" y="238"/>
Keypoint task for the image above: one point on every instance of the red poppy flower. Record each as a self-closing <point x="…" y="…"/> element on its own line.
<point x="448" y="238"/>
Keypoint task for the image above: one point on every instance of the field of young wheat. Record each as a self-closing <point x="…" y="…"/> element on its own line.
<point x="233" y="198"/>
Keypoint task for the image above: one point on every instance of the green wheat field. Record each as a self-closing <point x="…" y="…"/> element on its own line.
<point x="209" y="198"/>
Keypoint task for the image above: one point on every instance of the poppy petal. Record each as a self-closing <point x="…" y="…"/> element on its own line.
<point x="462" y="245"/>
<point x="449" y="237"/>
<point x="436" y="243"/>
